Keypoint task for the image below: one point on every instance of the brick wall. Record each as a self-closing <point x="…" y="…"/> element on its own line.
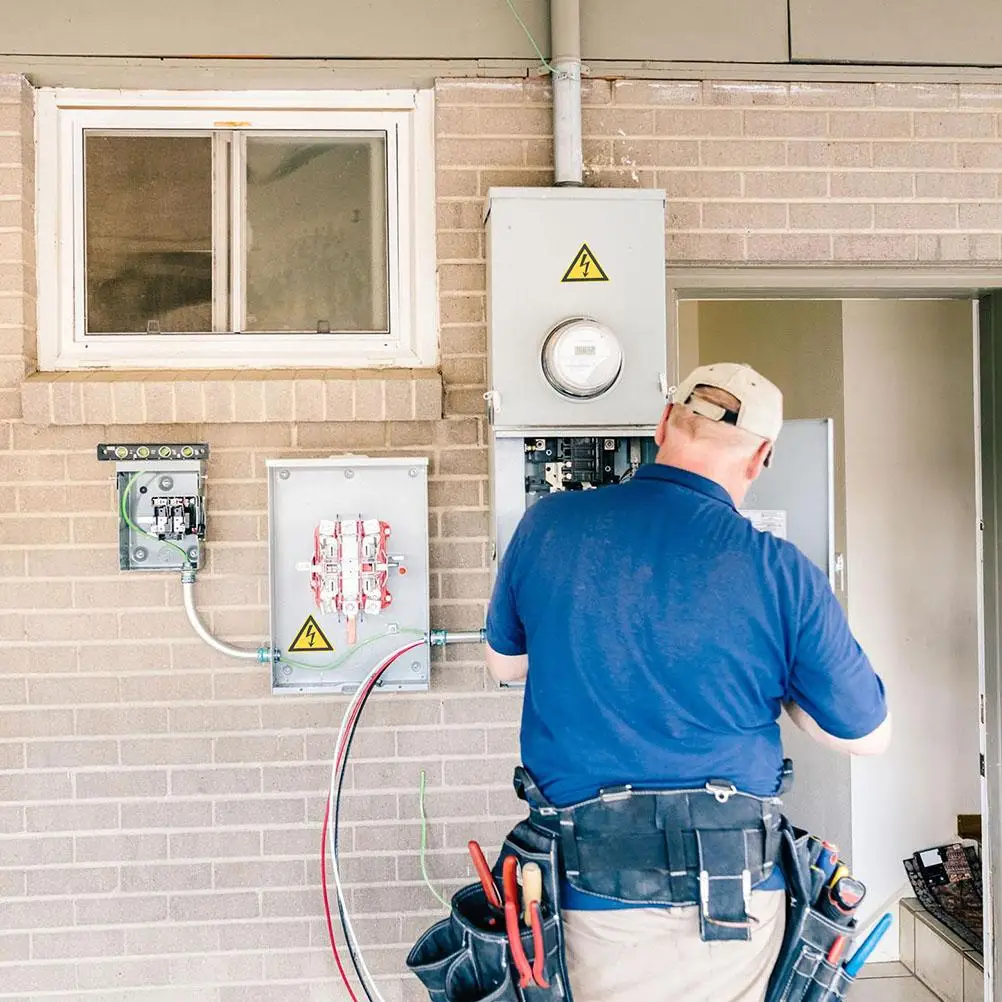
<point x="159" y="810"/>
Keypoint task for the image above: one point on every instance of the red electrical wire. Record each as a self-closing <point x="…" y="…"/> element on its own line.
<point x="339" y="756"/>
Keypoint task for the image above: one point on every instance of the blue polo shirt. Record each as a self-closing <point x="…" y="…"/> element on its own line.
<point x="664" y="632"/>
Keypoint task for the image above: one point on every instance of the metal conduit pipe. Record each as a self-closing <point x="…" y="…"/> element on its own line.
<point x="565" y="43"/>
<point x="188" y="593"/>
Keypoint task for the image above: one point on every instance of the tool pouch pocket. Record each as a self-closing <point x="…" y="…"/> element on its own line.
<point x="466" y="957"/>
<point x="801" y="973"/>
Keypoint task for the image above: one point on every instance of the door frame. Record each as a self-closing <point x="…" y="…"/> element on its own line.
<point x="917" y="282"/>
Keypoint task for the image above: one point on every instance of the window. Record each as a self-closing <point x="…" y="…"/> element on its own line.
<point x="235" y="230"/>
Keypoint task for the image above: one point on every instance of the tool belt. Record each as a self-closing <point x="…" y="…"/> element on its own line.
<point x="803" y="970"/>
<point x="707" y="847"/>
<point x="467" y="957"/>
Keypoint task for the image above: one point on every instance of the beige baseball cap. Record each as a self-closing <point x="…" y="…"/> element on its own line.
<point x="761" y="402"/>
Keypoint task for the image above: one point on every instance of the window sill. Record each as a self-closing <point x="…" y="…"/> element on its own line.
<point x="231" y="396"/>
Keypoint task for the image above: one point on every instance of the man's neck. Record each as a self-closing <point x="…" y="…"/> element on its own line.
<point x="703" y="465"/>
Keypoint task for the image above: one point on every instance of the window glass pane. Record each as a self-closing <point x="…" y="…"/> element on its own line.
<point x="148" y="205"/>
<point x="316" y="234"/>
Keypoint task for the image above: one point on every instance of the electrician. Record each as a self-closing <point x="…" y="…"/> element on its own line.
<point x="660" y="635"/>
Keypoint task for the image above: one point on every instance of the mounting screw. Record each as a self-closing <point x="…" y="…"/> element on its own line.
<point x="193" y="553"/>
<point x="283" y="474"/>
<point x="610" y="443"/>
<point x="348" y="474"/>
<point x="412" y="472"/>
<point x="140" y="553"/>
<point x="166" y="483"/>
<point x="415" y="666"/>
<point x="286" y="669"/>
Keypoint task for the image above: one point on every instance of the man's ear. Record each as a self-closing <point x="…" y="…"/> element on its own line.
<point x="757" y="461"/>
<point x="662" y="429"/>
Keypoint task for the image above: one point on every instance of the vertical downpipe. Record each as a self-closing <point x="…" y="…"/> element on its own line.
<point x="565" y="34"/>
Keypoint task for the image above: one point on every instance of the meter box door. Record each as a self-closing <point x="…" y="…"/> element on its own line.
<point x="348" y="568"/>
<point x="576" y="307"/>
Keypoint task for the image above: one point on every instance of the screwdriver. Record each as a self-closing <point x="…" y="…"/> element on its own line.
<point x="532" y="888"/>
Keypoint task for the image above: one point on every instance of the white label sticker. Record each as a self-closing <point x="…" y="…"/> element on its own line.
<point x="767" y="520"/>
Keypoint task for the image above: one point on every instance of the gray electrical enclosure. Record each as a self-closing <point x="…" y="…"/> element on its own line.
<point x="315" y="508"/>
<point x="555" y="254"/>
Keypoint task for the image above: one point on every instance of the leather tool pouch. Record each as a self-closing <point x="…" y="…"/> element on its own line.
<point x="802" y="974"/>
<point x="466" y="958"/>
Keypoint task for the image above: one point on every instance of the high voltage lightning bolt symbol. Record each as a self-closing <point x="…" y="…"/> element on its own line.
<point x="586" y="262"/>
<point x="311" y="634"/>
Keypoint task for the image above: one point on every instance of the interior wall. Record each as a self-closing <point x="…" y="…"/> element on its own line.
<point x="910" y="493"/>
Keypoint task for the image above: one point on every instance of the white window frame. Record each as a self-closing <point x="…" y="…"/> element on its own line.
<point x="407" y="118"/>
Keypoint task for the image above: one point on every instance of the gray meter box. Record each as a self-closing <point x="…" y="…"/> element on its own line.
<point x="556" y="254"/>
<point x="312" y="648"/>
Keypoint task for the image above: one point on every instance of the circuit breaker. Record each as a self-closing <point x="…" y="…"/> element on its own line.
<point x="348" y="561"/>
<point x="161" y="503"/>
<point x="577" y="341"/>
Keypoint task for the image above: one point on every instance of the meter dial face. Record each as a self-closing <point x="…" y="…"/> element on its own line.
<point x="582" y="358"/>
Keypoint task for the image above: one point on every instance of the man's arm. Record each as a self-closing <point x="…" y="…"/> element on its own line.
<point x="874" y="743"/>
<point x="507" y="667"/>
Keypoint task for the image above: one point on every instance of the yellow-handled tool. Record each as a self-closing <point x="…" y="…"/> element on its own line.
<point x="532" y="888"/>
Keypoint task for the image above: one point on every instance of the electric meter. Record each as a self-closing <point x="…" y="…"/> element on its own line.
<point x="582" y="358"/>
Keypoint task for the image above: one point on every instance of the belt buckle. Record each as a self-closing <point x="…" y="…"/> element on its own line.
<point x="722" y="790"/>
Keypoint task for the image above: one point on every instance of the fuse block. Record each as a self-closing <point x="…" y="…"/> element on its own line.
<point x="177" y="517"/>
<point x="351" y="568"/>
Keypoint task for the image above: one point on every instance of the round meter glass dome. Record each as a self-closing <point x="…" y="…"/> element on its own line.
<point x="582" y="358"/>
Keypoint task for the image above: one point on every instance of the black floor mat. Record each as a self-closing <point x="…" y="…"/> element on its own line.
<point x="947" y="882"/>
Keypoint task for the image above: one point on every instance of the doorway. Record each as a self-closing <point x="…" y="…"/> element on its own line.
<point x="897" y="378"/>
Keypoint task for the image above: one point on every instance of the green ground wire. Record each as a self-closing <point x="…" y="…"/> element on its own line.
<point x="127" y="518"/>
<point x="338" y="662"/>
<point x="424" y="845"/>
<point x="528" y="34"/>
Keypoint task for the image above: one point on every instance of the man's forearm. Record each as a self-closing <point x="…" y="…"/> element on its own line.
<point x="874" y="743"/>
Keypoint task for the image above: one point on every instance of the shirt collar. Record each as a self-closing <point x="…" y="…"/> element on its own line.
<point x="684" y="478"/>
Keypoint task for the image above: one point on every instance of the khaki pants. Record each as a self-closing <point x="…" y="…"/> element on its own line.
<point x="656" y="955"/>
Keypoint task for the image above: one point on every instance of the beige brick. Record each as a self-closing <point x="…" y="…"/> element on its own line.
<point x="873" y="184"/>
<point x="744" y="215"/>
<point x="788" y="247"/>
<point x="462" y="277"/>
<point x="746" y="93"/>
<point x="956" y="185"/>
<point x="70" y="753"/>
<point x="472" y="152"/>
<point x="340" y="394"/>
<point x="34" y="979"/>
<point x="57" y="881"/>
<point x="466" y="371"/>
<point x="37" y="723"/>
<point x="73" y="691"/>
<point x="129" y="848"/>
<point x="685" y="215"/>
<point x="785" y="184"/>
<point x="916" y="95"/>
<point x="462" y="245"/>
<point x="12" y="756"/>
<point x="122" y="783"/>
<point x="538" y="152"/>
<point x="14" y="947"/>
<point x="698" y="122"/>
<point x="121" y="720"/>
<point x="869" y="124"/>
<point x="465" y="402"/>
<point x="916" y="216"/>
<point x="263" y="748"/>
<point x="165" y="751"/>
<point x="341" y="436"/>
<point x="654" y="92"/>
<point x="611" y="120"/>
<point x="700" y="183"/>
<point x="656" y="154"/>
<point x="829" y="154"/>
<point x="123" y="973"/>
<point x="214" y="781"/>
<point x="705" y="247"/>
<point x="427" y="399"/>
<point x="172" y="814"/>
<point x="164" y="877"/>
<point x="785" y="124"/>
<point x="876" y="247"/>
<point x="915" y="154"/>
<point x="830" y="216"/>
<point x="960" y="247"/>
<point x="120" y="908"/>
<point x="278" y="402"/>
<point x="743" y="153"/>
<point x="310" y="399"/>
<point x="954" y="125"/>
<point x="189" y="402"/>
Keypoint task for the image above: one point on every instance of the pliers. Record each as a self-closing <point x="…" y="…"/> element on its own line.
<point x="536" y="974"/>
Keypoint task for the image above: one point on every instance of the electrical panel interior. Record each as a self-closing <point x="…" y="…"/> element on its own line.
<point x="161" y="503"/>
<point x="581" y="463"/>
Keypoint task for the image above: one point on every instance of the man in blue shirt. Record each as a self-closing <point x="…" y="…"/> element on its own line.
<point x="661" y="635"/>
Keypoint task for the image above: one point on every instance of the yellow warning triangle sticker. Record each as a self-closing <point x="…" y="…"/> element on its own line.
<point x="585" y="268"/>
<point x="310" y="638"/>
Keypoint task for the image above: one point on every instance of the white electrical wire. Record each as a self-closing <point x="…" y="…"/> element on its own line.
<point x="340" y="752"/>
